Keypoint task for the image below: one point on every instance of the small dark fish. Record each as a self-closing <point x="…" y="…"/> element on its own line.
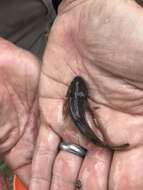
<point x="76" y="105"/>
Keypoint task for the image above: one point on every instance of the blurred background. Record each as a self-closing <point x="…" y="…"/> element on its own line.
<point x="6" y="177"/>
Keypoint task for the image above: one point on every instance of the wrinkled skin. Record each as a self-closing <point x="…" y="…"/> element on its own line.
<point x="19" y="78"/>
<point x="102" y="41"/>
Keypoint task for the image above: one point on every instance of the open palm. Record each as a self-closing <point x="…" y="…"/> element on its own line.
<point x="101" y="41"/>
<point x="19" y="74"/>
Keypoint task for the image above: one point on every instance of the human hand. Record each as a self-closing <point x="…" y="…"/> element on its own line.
<point x="19" y="78"/>
<point x="100" y="40"/>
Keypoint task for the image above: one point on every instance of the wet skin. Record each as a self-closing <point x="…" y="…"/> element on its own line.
<point x="76" y="105"/>
<point x="102" y="41"/>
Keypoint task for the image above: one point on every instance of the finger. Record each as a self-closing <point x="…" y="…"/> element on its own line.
<point x="19" y="158"/>
<point x="5" y="131"/>
<point x="126" y="171"/>
<point x="95" y="169"/>
<point x="44" y="156"/>
<point x="9" y="142"/>
<point x="65" y="172"/>
<point x="24" y="174"/>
